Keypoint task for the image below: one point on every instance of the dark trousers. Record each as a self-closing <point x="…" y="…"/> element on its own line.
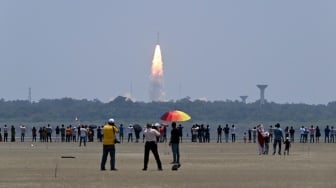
<point x="176" y="153"/>
<point x="152" y="146"/>
<point x="130" y="137"/>
<point x="277" y="142"/>
<point x="5" y="137"/>
<point x="108" y="149"/>
<point x="82" y="138"/>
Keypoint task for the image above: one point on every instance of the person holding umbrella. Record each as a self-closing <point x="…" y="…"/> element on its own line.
<point x="174" y="143"/>
<point x="151" y="145"/>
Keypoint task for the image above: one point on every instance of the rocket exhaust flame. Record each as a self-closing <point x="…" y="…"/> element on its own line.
<point x="157" y="62"/>
<point x="156" y="78"/>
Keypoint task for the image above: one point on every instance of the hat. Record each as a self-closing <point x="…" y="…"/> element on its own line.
<point x="111" y="120"/>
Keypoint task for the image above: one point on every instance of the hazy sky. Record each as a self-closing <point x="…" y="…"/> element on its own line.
<point x="215" y="50"/>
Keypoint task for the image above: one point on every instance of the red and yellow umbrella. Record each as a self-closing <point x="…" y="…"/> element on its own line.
<point x="175" y="115"/>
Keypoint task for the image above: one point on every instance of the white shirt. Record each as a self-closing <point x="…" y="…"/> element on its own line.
<point x="151" y="134"/>
<point x="233" y="130"/>
<point x="302" y="130"/>
<point x="130" y="129"/>
<point x="82" y="132"/>
<point x="23" y="129"/>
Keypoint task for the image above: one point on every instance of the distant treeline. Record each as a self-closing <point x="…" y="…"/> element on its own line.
<point x="66" y="109"/>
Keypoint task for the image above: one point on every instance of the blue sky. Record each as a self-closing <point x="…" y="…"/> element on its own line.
<point x="214" y="50"/>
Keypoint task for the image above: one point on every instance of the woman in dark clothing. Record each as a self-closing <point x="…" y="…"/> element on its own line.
<point x="317" y="134"/>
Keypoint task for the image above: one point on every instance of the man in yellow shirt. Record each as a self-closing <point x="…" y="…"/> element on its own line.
<point x="109" y="132"/>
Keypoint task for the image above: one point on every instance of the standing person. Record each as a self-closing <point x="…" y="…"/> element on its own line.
<point x="83" y="134"/>
<point x="317" y="134"/>
<point x="174" y="143"/>
<point x="62" y="133"/>
<point x="326" y="134"/>
<point x="109" y="131"/>
<point x="311" y="133"/>
<point x="130" y="133"/>
<point x="34" y="133"/>
<point x="219" y="134"/>
<point x="121" y="133"/>
<point x="332" y="134"/>
<point x="151" y="145"/>
<point x="249" y="135"/>
<point x="286" y="132"/>
<point x="41" y="134"/>
<point x="74" y="133"/>
<point x="13" y="133"/>
<point x="23" y="132"/>
<point x="287" y="146"/>
<point x="57" y="131"/>
<point x="207" y="134"/>
<point x="180" y="129"/>
<point x="67" y="134"/>
<point x="291" y="134"/>
<point x="260" y="138"/>
<point x="5" y="133"/>
<point x="99" y="134"/>
<point x="49" y="131"/>
<point x="302" y="132"/>
<point x="233" y="134"/>
<point x="226" y="133"/>
<point x="278" y="138"/>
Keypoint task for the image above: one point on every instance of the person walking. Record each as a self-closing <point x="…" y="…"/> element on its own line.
<point x="151" y="145"/>
<point x="287" y="146"/>
<point x="174" y="143"/>
<point x="278" y="138"/>
<point x="109" y="131"/>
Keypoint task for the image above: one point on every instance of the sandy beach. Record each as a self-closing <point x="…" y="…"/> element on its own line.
<point x="38" y="164"/>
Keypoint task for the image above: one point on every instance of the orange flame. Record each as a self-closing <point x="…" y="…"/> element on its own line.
<point x="157" y="64"/>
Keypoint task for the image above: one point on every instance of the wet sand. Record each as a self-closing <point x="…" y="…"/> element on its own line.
<point x="203" y="165"/>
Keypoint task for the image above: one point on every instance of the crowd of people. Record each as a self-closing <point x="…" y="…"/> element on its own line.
<point x="82" y="133"/>
<point x="156" y="133"/>
<point x="197" y="133"/>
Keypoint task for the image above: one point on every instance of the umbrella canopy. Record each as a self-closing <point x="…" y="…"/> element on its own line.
<point x="137" y="127"/>
<point x="175" y="115"/>
<point x="92" y="126"/>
